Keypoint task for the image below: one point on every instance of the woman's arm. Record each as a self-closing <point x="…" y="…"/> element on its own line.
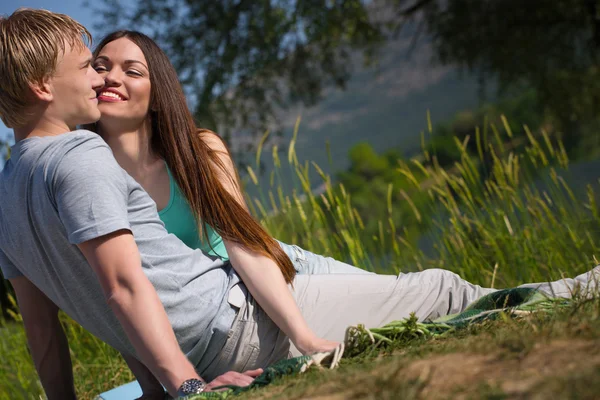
<point x="265" y="282"/>
<point x="260" y="274"/>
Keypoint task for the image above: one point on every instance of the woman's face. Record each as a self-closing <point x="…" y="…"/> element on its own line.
<point x="125" y="96"/>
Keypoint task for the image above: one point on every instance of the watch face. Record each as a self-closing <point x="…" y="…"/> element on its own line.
<point x="191" y="386"/>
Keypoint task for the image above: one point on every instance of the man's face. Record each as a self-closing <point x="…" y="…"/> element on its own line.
<point x="73" y="88"/>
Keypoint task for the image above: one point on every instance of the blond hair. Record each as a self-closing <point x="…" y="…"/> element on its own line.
<point x="31" y="42"/>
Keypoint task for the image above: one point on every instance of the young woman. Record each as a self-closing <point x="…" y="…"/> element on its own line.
<point x="189" y="174"/>
<point x="184" y="169"/>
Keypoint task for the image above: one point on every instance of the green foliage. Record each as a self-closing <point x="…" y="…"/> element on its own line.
<point x="522" y="107"/>
<point x="5" y="288"/>
<point x="550" y="46"/>
<point x="482" y="215"/>
<point x="241" y="60"/>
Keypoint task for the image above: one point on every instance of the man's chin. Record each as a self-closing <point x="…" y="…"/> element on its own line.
<point x="91" y="119"/>
<point x="95" y="117"/>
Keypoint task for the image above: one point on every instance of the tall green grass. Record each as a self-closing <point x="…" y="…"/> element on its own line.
<point x="483" y="217"/>
<point x="502" y="216"/>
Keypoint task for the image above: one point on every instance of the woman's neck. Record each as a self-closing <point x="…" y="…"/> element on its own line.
<point x="133" y="152"/>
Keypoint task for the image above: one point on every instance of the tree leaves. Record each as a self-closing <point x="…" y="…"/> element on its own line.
<point x="241" y="61"/>
<point x="551" y="46"/>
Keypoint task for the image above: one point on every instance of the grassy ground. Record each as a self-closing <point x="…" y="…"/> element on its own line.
<point x="538" y="357"/>
<point x="500" y="217"/>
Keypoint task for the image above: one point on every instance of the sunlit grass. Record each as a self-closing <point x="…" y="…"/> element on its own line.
<point x="484" y="216"/>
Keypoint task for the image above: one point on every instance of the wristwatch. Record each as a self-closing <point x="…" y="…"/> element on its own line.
<point x="191" y="386"/>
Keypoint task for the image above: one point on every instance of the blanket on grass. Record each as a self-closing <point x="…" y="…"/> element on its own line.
<point x="507" y="302"/>
<point x="361" y="340"/>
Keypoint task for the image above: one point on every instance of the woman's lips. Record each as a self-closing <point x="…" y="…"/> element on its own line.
<point x="110" y="96"/>
<point x="109" y="99"/>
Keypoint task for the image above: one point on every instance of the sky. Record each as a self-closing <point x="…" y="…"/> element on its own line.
<point x="73" y="8"/>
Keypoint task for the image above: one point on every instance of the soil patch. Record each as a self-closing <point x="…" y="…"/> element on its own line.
<point x="501" y="374"/>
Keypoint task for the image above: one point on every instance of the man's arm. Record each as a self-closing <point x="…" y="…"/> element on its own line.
<point x="116" y="261"/>
<point x="47" y="340"/>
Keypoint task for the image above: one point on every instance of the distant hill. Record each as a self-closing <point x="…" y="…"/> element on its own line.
<point x="384" y="105"/>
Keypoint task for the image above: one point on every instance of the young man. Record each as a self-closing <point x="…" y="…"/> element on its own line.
<point x="69" y="216"/>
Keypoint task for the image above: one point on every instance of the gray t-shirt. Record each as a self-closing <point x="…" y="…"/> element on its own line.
<point x="59" y="191"/>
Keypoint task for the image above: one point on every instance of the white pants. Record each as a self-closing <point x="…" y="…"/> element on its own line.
<point x="331" y="303"/>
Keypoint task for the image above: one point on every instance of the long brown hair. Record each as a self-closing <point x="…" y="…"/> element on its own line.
<point x="176" y="139"/>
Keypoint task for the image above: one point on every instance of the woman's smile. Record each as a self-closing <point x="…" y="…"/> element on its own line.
<point x="111" y="95"/>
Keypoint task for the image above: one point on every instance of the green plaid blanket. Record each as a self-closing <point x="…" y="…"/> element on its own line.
<point x="359" y="339"/>
<point x="292" y="366"/>
<point x="516" y="301"/>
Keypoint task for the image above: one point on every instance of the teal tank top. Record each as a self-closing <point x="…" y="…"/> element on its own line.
<point x="179" y="220"/>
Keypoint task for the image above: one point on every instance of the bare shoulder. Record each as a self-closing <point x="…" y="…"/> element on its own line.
<point x="214" y="141"/>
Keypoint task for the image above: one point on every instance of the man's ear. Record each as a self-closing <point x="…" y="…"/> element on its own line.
<point x="41" y="90"/>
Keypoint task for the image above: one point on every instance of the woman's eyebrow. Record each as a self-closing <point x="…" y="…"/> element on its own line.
<point x="135" y="62"/>
<point x="105" y="58"/>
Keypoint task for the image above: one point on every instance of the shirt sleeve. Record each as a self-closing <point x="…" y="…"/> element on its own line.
<point x="90" y="192"/>
<point x="9" y="271"/>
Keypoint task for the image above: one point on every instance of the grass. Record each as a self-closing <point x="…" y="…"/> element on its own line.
<point x="499" y="218"/>
<point x="485" y="219"/>
<point x="553" y="355"/>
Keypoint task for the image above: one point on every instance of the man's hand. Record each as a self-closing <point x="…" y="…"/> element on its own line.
<point x="151" y="387"/>
<point x="234" y="378"/>
<point x="228" y="378"/>
<point x="155" y="396"/>
<point x="158" y="394"/>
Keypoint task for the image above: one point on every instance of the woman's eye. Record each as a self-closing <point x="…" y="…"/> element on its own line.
<point x="99" y="68"/>
<point x="133" y="72"/>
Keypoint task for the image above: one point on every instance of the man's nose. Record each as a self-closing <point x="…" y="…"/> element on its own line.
<point x="97" y="80"/>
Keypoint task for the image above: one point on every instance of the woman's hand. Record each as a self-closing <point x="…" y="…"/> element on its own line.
<point x="234" y="378"/>
<point x="315" y="345"/>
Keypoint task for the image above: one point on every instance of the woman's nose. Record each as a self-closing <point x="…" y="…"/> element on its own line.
<point x="112" y="78"/>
